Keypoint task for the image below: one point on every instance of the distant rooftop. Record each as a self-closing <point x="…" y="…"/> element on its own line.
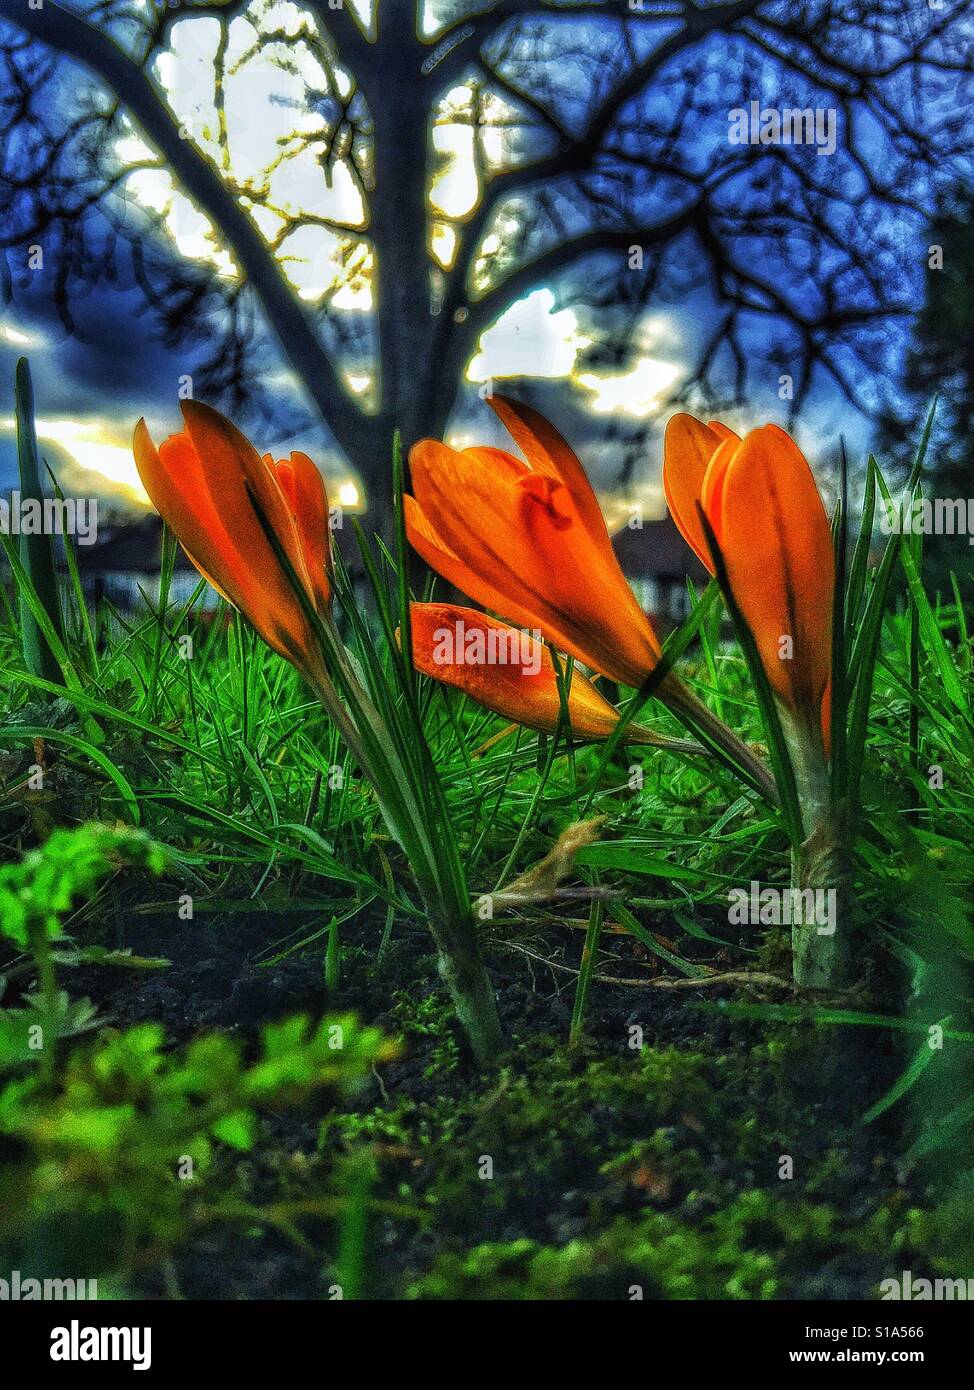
<point x="656" y="550"/>
<point x="133" y="547"/>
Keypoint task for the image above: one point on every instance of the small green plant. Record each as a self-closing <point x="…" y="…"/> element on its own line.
<point x="34" y="896"/>
<point x="114" y="1164"/>
<point x="37" y="892"/>
<point x="429" y="1019"/>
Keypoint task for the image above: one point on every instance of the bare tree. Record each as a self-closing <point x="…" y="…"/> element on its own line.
<point x="599" y="146"/>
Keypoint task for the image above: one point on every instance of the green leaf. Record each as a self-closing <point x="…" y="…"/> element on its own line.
<point x="904" y="1081"/>
<point x="238" y="1129"/>
<point x="631" y="857"/>
<point x="17" y="733"/>
<point x="36" y="551"/>
<point x="933" y="639"/>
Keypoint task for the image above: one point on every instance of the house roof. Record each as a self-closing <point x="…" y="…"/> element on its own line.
<point x="132" y="547"/>
<point x="656" y="550"/>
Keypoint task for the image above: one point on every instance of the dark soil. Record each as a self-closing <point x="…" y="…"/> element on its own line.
<point x="602" y="1153"/>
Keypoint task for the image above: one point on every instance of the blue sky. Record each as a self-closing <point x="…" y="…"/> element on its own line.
<point x="92" y="386"/>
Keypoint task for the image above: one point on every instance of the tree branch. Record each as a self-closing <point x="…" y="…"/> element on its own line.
<point x="462" y="341"/>
<point x="576" y="156"/>
<point x="68" y="34"/>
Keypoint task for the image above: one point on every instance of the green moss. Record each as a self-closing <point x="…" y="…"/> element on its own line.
<point x="429" y="1019"/>
<point x="654" y="1174"/>
<point x="658" y="1262"/>
<point x="750" y="1249"/>
<point x="653" y="1257"/>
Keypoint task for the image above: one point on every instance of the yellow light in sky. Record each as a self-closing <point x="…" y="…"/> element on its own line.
<point x="444" y="243"/>
<point x="635" y="393"/>
<point x="456" y="190"/>
<point x="95" y="445"/>
<point x="266" y="123"/>
<point x="15" y="338"/>
<point x="264" y="135"/>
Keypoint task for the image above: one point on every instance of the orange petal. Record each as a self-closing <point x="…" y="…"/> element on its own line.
<point x="304" y="488"/>
<point x="508" y="671"/>
<point x="547" y="452"/>
<point x="497" y="461"/>
<point x="230" y="465"/>
<point x="688" y="447"/>
<point x="827" y="719"/>
<point x="724" y="431"/>
<point x="438" y="555"/>
<point x="777" y="545"/>
<point x="713" y="483"/>
<point x="176" y="489"/>
<point x="173" y="478"/>
<point x="205" y="504"/>
<point x="527" y="553"/>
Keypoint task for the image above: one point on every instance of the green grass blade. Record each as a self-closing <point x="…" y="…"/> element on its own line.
<point x="673" y="648"/>
<point x="586" y="970"/>
<point x="860" y="557"/>
<point x="36" y="551"/>
<point x="840" y="697"/>
<point x="77" y="591"/>
<point x="20" y="732"/>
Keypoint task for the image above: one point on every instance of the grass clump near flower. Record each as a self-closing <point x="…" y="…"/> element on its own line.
<point x="258" y="530"/>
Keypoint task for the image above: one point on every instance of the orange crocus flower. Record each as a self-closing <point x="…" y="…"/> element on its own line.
<point x="511" y="673"/>
<point x="527" y="539"/>
<point x="198" y="481"/>
<point x="760" y="498"/>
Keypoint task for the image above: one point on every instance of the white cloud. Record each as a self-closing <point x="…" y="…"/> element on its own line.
<point x="635" y="393"/>
<point x="532" y="339"/>
<point x="96" y="446"/>
<point x="18" y="338"/>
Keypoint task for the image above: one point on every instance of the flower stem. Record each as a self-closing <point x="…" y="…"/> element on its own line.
<point x="463" y="972"/>
<point x="450" y="919"/>
<point x="820" y="866"/>
<point x="719" y="736"/>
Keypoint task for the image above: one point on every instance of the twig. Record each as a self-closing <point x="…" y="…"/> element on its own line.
<point x="730" y="977"/>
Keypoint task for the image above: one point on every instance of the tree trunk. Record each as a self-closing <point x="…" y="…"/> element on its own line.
<point x="399" y="228"/>
<point x="415" y="397"/>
